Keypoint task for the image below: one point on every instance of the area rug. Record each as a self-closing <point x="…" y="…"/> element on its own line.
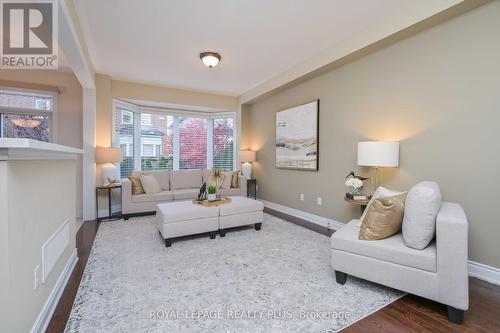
<point x="278" y="279"/>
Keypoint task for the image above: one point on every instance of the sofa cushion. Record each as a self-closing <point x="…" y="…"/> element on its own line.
<point x="421" y="208"/>
<point x="390" y="249"/>
<point x="186" y="193"/>
<point x="206" y="175"/>
<point x="150" y="184"/>
<point x="183" y="179"/>
<point x="240" y="205"/>
<point x="227" y="192"/>
<point x="162" y="177"/>
<point x="157" y="197"/>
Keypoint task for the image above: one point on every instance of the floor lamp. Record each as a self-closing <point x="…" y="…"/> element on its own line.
<point x="378" y="154"/>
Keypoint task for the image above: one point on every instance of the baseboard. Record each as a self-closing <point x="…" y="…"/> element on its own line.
<point x="43" y="319"/>
<point x="484" y="272"/>
<point x="480" y="271"/>
<point x="320" y="220"/>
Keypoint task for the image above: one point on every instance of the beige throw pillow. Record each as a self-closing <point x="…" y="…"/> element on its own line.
<point x="136" y="185"/>
<point x="235" y="179"/>
<point x="150" y="184"/>
<point x="228" y="177"/>
<point x="380" y="192"/>
<point x="383" y="218"/>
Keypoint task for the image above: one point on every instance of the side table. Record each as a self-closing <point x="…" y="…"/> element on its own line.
<point x="252" y="188"/>
<point x="110" y="217"/>
<point x="361" y="203"/>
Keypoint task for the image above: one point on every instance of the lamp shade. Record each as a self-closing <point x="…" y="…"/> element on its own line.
<point x="108" y="155"/>
<point x="247" y="156"/>
<point x="378" y="154"/>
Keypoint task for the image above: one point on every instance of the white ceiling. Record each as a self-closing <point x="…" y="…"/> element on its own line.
<point x="159" y="41"/>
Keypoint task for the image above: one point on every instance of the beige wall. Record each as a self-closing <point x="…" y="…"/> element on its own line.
<point x="436" y="92"/>
<point x="69" y="107"/>
<point x="107" y="89"/>
<point x="35" y="205"/>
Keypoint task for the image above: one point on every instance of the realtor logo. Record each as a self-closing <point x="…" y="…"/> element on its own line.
<point x="29" y="34"/>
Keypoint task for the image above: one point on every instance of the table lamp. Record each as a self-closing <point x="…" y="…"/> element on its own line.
<point x="378" y="154"/>
<point x="247" y="157"/>
<point x="108" y="156"/>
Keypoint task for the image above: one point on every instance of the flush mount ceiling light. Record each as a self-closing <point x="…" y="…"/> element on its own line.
<point x="210" y="59"/>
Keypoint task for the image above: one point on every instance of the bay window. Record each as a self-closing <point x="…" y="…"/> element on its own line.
<point x="172" y="140"/>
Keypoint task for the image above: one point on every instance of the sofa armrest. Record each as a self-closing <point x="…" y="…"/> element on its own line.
<point x="452" y="255"/>
<point x="243" y="185"/>
<point x="126" y="194"/>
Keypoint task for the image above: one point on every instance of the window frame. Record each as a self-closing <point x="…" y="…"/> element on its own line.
<point x="176" y="114"/>
<point x="50" y="114"/>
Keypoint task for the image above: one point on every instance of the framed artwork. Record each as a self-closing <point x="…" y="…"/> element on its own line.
<point x="297" y="137"/>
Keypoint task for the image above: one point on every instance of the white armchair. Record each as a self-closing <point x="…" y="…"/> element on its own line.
<point x="438" y="272"/>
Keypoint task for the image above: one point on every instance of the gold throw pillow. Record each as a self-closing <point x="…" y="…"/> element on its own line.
<point x="136" y="185"/>
<point x="235" y="181"/>
<point x="384" y="218"/>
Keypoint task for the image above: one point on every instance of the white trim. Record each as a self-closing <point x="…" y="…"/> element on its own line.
<point x="210" y="143"/>
<point x="89" y="180"/>
<point x="120" y="103"/>
<point x="71" y="40"/>
<point x="57" y="242"/>
<point x="484" y="272"/>
<point x="43" y="319"/>
<point x="177" y="144"/>
<point x="316" y="219"/>
<point x="480" y="271"/>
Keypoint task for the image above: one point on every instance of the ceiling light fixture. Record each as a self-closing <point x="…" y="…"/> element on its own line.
<point x="210" y="59"/>
<point x="26" y="123"/>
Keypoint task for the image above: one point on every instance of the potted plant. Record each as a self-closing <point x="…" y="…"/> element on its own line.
<point x="212" y="190"/>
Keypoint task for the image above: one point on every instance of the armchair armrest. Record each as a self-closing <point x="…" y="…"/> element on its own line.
<point x="243" y="185"/>
<point x="452" y="255"/>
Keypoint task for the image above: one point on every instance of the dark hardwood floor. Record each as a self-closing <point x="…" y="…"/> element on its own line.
<point x="408" y="314"/>
<point x="84" y="240"/>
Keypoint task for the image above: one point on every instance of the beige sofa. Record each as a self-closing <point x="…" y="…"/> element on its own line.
<point x="438" y="272"/>
<point x="175" y="185"/>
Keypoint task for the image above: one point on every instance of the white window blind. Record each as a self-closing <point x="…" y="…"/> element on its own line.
<point x="192" y="143"/>
<point x="164" y="140"/>
<point x="223" y="143"/>
<point x="124" y="138"/>
<point x="157" y="136"/>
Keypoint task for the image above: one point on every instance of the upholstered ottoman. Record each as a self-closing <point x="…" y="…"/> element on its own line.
<point x="182" y="218"/>
<point x="241" y="211"/>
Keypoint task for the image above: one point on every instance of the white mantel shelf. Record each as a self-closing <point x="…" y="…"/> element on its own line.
<point x="26" y="149"/>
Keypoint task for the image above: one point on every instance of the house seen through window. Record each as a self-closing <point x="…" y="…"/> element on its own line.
<point x="163" y="141"/>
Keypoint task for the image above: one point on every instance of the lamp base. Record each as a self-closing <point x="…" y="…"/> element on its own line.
<point x="109" y="171"/>
<point x="246" y="170"/>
